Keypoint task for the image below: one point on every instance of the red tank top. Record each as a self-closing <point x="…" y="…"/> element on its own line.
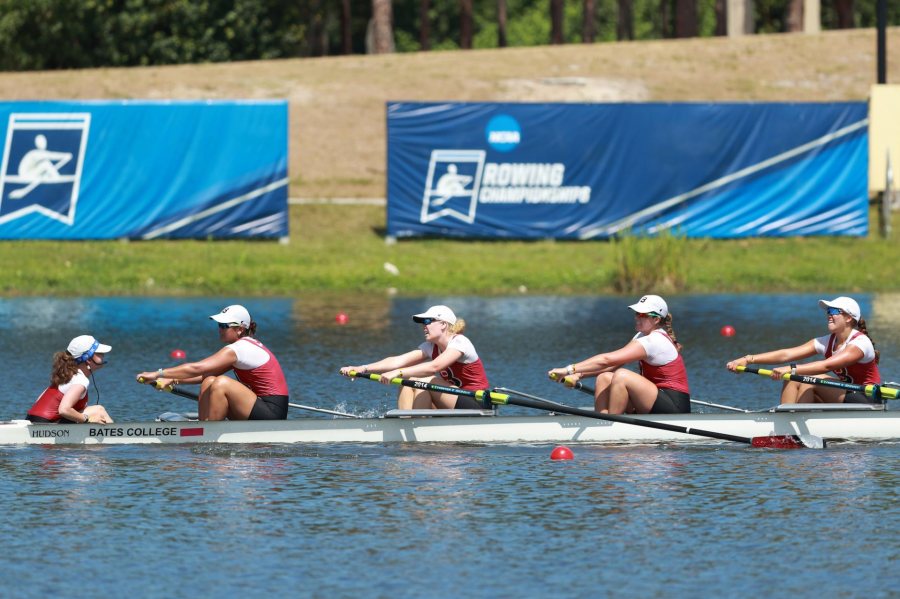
<point x="667" y="376"/>
<point x="47" y="405"/>
<point x="266" y="379"/>
<point x="858" y="373"/>
<point x="465" y="376"/>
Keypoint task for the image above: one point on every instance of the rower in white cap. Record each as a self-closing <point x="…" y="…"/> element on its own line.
<point x="66" y="398"/>
<point x="446" y="357"/>
<point x="662" y="385"/>
<point x="847" y="352"/>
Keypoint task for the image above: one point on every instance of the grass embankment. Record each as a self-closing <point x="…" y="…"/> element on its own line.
<point x="341" y="249"/>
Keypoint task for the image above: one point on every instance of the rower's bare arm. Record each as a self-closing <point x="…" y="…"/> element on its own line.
<point x="67" y="403"/>
<point x="386" y="364"/>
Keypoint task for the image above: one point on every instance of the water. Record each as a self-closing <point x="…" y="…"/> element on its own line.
<point x="392" y="520"/>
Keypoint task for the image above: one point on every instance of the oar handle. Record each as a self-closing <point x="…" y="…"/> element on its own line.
<point x="174" y="390"/>
<point x="873" y="391"/>
<point x="482" y="395"/>
<point x="573" y="384"/>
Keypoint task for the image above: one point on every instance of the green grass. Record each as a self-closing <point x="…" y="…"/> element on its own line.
<point x="340" y="249"/>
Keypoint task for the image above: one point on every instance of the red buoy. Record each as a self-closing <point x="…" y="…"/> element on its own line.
<point x="562" y="453"/>
<point x="177" y="354"/>
<point x="341" y="318"/>
<point x="727" y="331"/>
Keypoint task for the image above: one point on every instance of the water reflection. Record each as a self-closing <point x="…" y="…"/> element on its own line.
<point x="518" y="338"/>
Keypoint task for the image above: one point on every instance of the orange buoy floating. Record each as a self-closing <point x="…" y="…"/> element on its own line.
<point x="341" y="318"/>
<point x="727" y="331"/>
<point x="562" y="453"/>
<point x="177" y="354"/>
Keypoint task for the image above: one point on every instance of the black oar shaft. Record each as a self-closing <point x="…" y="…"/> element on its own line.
<point x="552" y="407"/>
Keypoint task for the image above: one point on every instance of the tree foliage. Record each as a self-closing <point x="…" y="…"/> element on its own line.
<point x="64" y="34"/>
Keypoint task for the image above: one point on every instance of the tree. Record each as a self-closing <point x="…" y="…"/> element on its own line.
<point x="346" y="30"/>
<point x="721" y="9"/>
<point x="465" y="24"/>
<point x="382" y="27"/>
<point x="588" y="29"/>
<point x="844" y="10"/>
<point x="794" y="21"/>
<point x="625" y="20"/>
<point x="424" y="25"/>
<point x="686" y="18"/>
<point x="556" y="21"/>
<point x="501" y="23"/>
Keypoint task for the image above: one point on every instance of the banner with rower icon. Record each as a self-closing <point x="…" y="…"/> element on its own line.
<point x="593" y="171"/>
<point x="143" y="170"/>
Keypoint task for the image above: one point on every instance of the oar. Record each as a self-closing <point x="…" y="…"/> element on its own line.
<point x="175" y="390"/>
<point x="590" y="391"/>
<point x="873" y="391"/>
<point x="482" y="396"/>
<point x="774" y="441"/>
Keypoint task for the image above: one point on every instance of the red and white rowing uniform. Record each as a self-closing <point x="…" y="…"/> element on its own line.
<point x="258" y="368"/>
<point x="47" y="404"/>
<point x="467" y="372"/>
<point x="864" y="372"/>
<point x="663" y="365"/>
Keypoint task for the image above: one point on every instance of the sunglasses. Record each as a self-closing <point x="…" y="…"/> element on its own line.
<point x="647" y="315"/>
<point x="223" y="326"/>
<point x="833" y="311"/>
<point x="428" y="321"/>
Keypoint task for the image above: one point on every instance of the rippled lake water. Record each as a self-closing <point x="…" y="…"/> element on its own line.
<point x="439" y="520"/>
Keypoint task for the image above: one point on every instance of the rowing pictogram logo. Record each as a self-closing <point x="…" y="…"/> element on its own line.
<point x="42" y="161"/>
<point x="451" y="187"/>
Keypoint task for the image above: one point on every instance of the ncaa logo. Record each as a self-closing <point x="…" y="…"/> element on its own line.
<point x="41" y="169"/>
<point x="503" y="133"/>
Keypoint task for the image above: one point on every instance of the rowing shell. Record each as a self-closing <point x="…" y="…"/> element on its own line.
<point x="833" y="422"/>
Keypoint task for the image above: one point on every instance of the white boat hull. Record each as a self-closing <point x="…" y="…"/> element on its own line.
<point x="830" y="424"/>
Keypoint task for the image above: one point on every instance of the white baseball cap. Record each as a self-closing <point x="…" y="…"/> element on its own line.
<point x="234" y="314"/>
<point x="437" y="313"/>
<point x="83" y="348"/>
<point x="843" y="303"/>
<point x="651" y="303"/>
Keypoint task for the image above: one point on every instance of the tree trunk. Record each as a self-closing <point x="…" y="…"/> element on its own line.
<point x="465" y="24"/>
<point x="721" y="17"/>
<point x="346" y="36"/>
<point x="685" y="18"/>
<point x="625" y="21"/>
<point x="501" y="23"/>
<point x="315" y="27"/>
<point x="556" y="21"/>
<point x="424" y="26"/>
<point x="844" y="10"/>
<point x="382" y="28"/>
<point x="588" y="29"/>
<point x="794" y="21"/>
<point x="665" y="17"/>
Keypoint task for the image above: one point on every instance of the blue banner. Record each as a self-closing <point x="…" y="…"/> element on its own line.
<point x="579" y="171"/>
<point x="143" y="170"/>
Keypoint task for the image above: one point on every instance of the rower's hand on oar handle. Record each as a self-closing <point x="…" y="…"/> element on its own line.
<point x="569" y="380"/>
<point x="737" y="364"/>
<point x="354" y="371"/>
<point x="559" y="374"/>
<point x="147" y="377"/>
<point x="165" y="384"/>
<point x="387" y="378"/>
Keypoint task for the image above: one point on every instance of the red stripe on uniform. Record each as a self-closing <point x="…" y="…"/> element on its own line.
<point x="191" y="432"/>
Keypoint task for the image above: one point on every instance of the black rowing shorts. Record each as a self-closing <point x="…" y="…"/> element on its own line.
<point x="270" y="407"/>
<point x="669" y="401"/>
